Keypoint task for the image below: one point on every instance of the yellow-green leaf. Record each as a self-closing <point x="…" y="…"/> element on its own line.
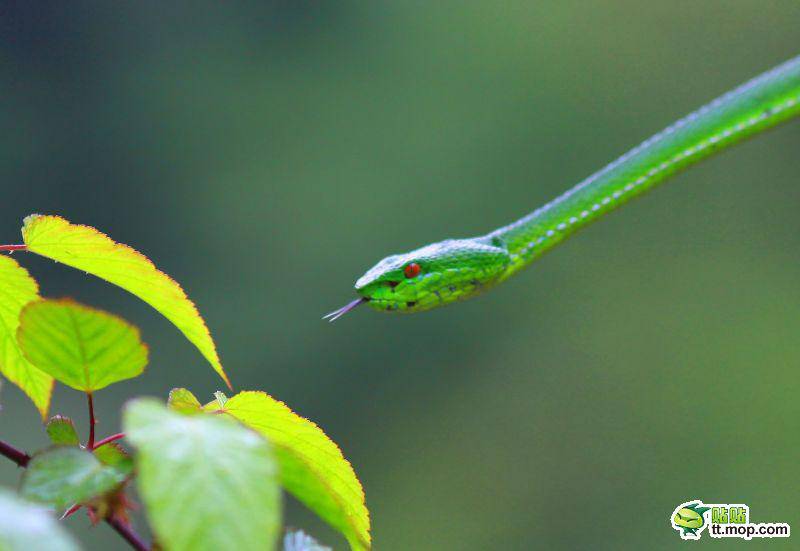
<point x="17" y="288"/>
<point x="312" y="467"/>
<point x="87" y="249"/>
<point x="81" y="347"/>
<point x="183" y="401"/>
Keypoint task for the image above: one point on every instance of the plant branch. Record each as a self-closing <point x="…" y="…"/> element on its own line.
<point x="92" y="422"/>
<point x="121" y="527"/>
<point x="125" y="530"/>
<point x="12" y="248"/>
<point x="109" y="439"/>
<point x="17" y="456"/>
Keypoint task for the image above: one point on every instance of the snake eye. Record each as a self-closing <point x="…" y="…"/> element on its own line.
<point x="411" y="270"/>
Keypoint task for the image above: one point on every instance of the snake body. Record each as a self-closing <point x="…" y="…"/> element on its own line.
<point x="455" y="269"/>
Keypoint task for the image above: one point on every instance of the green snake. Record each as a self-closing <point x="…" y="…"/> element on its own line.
<point x="456" y="269"/>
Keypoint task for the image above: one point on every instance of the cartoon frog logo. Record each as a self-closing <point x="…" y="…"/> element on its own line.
<point x="688" y="519"/>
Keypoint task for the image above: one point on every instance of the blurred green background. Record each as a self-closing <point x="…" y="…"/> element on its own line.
<point x="265" y="154"/>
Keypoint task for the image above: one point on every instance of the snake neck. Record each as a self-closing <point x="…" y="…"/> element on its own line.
<point x="757" y="105"/>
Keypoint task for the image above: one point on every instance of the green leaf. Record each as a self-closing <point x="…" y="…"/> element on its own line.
<point x="312" y="467"/>
<point x="212" y="406"/>
<point x="300" y="541"/>
<point x="18" y="288"/>
<point x="25" y="526"/>
<point x="64" y="476"/>
<point x="221" y="398"/>
<point x="217" y="403"/>
<point x="113" y="455"/>
<point x="207" y="483"/>
<point x="183" y="401"/>
<point x="91" y="251"/>
<point x="81" y="347"/>
<point x="62" y="432"/>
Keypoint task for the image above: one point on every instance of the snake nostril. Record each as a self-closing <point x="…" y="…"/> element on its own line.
<point x="411" y="303"/>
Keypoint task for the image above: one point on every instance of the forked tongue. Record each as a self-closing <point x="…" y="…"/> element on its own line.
<point x="336" y="314"/>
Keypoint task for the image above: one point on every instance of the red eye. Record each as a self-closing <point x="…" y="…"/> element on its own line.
<point x="411" y="270"/>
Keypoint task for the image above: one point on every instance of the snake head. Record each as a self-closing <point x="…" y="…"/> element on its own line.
<point x="432" y="276"/>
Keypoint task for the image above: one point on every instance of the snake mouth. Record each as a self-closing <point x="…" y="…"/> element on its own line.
<point x="336" y="314"/>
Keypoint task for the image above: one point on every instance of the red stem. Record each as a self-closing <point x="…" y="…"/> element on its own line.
<point x="126" y="531"/>
<point x="92" y="422"/>
<point x="70" y="511"/>
<point x="17" y="456"/>
<point x="12" y="248"/>
<point x="108" y="439"/>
